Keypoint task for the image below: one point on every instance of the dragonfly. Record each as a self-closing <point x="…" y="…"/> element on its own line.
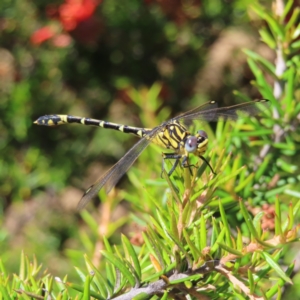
<point x="172" y="134"/>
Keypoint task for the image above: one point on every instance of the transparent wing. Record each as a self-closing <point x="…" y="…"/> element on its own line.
<point x="210" y="111"/>
<point x="113" y="175"/>
<point x="208" y="106"/>
<point x="203" y="107"/>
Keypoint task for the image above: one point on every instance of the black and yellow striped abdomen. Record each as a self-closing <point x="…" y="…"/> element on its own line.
<point x="54" y="120"/>
<point x="171" y="136"/>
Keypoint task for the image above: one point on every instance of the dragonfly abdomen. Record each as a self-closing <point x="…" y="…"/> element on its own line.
<point x="54" y="120"/>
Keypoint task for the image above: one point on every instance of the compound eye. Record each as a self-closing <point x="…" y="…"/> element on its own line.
<point x="191" y="144"/>
<point x="202" y="134"/>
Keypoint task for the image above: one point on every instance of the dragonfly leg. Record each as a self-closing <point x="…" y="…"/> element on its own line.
<point x="185" y="163"/>
<point x="175" y="156"/>
<point x="206" y="161"/>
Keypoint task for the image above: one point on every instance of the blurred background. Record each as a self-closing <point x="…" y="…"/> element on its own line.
<point x="100" y="59"/>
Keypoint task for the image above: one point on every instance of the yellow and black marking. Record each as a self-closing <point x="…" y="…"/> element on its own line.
<point x="171" y="135"/>
<point x="54" y="120"/>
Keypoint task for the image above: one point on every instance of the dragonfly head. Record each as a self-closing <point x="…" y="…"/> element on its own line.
<point x="197" y="144"/>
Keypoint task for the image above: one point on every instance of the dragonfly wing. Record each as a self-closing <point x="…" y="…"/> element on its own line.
<point x="206" y="107"/>
<point x="113" y="175"/>
<point x="213" y="113"/>
<point x="203" y="107"/>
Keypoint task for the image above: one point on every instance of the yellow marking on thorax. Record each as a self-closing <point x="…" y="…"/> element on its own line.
<point x="165" y="140"/>
<point x="82" y="121"/>
<point x="158" y="140"/>
<point x="121" y="128"/>
<point x="101" y="124"/>
<point x="174" y="144"/>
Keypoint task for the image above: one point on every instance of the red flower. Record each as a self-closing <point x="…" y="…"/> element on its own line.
<point x="74" y="12"/>
<point x="41" y="35"/>
<point x="77" y="18"/>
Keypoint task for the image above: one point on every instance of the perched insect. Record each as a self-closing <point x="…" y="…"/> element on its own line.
<point x="171" y="134"/>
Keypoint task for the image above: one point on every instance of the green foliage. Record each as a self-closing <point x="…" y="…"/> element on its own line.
<point x="190" y="236"/>
<point x="187" y="250"/>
